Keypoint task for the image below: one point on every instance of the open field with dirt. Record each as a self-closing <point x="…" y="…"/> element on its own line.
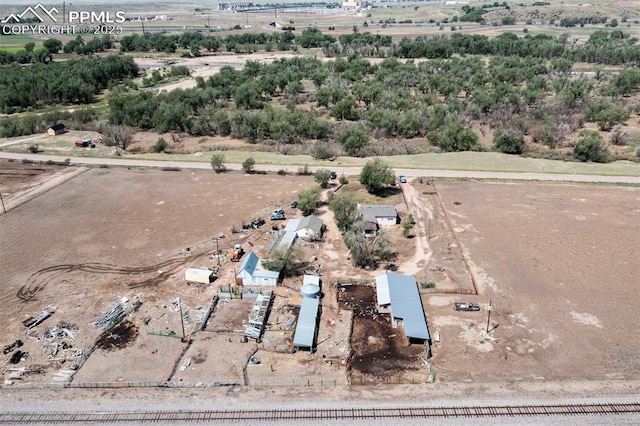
<point x="556" y="261"/>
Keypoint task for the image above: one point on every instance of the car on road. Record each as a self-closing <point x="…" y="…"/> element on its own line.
<point x="334" y="175"/>
<point x="402" y="179"/>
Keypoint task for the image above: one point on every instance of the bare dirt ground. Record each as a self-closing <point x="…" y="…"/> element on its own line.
<point x="542" y="253"/>
<point x="559" y="263"/>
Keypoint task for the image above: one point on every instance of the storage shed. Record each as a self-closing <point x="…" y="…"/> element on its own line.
<point x="195" y="275"/>
<point x="56" y="129"/>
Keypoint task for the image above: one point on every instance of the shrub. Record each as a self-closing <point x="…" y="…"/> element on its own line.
<point x="33" y="148"/>
<point x="248" y="164"/>
<point x="322" y="177"/>
<point x="509" y="142"/>
<point x="591" y="147"/>
<point x="354" y="140"/>
<point x="217" y="163"/>
<point x="160" y="146"/>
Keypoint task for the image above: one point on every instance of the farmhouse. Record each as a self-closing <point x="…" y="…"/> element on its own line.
<point x="308" y="228"/>
<point x="56" y="129"/>
<point x="398" y="295"/>
<point x="376" y="216"/>
<point x="253" y="272"/>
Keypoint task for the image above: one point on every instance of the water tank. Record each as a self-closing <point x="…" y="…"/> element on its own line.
<point x="310" y="290"/>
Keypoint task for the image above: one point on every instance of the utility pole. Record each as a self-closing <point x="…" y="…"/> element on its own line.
<point x="181" y="319"/>
<point x="488" y="315"/>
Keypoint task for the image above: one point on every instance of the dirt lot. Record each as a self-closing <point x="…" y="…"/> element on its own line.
<point x="557" y="262"/>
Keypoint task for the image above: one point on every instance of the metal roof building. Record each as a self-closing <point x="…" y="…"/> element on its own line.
<point x="399" y="295"/>
<point x="253" y="272"/>
<point x="305" y="334"/>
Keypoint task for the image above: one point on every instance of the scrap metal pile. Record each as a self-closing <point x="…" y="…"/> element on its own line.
<point x="118" y="312"/>
<point x="57" y="341"/>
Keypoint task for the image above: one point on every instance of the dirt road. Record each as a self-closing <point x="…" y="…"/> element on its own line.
<point x="409" y="173"/>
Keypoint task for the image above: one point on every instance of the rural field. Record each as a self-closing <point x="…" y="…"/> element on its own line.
<point x="557" y="262"/>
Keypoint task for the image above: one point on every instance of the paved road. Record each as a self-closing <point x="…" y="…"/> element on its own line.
<point x="410" y="173"/>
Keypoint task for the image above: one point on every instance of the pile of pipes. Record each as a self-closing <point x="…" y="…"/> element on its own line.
<point x="118" y="312"/>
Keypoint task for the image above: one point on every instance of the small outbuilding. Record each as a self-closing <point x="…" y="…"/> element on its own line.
<point x="56" y="129"/>
<point x="195" y="275"/>
<point x="253" y="272"/>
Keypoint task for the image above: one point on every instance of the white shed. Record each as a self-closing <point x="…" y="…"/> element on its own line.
<point x="253" y="272"/>
<point x="195" y="275"/>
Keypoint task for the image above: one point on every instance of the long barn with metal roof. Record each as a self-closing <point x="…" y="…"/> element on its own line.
<point x="398" y="294"/>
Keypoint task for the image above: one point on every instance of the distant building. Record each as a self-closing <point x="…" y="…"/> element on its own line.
<point x="351" y="4"/>
<point x="56" y="129"/>
<point x="398" y="295"/>
<point x="253" y="272"/>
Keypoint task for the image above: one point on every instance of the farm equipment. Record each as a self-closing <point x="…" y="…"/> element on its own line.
<point x="466" y="306"/>
<point x="238" y="251"/>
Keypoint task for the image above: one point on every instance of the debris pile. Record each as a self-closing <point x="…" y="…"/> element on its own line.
<point x="57" y="341"/>
<point x="34" y="321"/>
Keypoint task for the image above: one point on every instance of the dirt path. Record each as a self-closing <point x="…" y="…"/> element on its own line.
<point x="409" y="173"/>
<point x="421" y="214"/>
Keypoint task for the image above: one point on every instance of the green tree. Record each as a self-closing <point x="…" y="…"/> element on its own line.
<point x="345" y="210"/>
<point x="591" y="147"/>
<point x="248" y="164"/>
<point x="376" y="174"/>
<point x="160" y="146"/>
<point x="509" y="141"/>
<point x="308" y="200"/>
<point x="217" y="163"/>
<point x="282" y="260"/>
<point x="366" y="251"/>
<point x="407" y="224"/>
<point x="354" y="140"/>
<point x="456" y="137"/>
<point x="52" y="45"/>
<point x="346" y="109"/>
<point x="609" y="117"/>
<point x="322" y="177"/>
<point x="343" y="179"/>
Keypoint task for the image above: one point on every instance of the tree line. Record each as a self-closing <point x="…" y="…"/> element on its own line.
<point x="73" y="82"/>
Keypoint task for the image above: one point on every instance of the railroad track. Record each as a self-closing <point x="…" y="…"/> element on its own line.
<point x="321" y="414"/>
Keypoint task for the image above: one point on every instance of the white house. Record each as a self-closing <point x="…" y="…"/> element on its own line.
<point x="308" y="228"/>
<point x="377" y="216"/>
<point x="253" y="272"/>
<point x="351" y="4"/>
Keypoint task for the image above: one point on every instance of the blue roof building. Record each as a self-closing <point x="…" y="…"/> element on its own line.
<point x="305" y="334"/>
<point x="253" y="272"/>
<point x="398" y="294"/>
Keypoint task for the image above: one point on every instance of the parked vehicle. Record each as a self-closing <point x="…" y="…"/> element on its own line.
<point x="402" y="179"/>
<point x="294" y="204"/>
<point x="278" y="214"/>
<point x="466" y="306"/>
<point x="238" y="251"/>
<point x="334" y="175"/>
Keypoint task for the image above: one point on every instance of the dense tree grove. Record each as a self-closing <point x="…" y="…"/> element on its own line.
<point x="71" y="82"/>
<point x="518" y="87"/>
